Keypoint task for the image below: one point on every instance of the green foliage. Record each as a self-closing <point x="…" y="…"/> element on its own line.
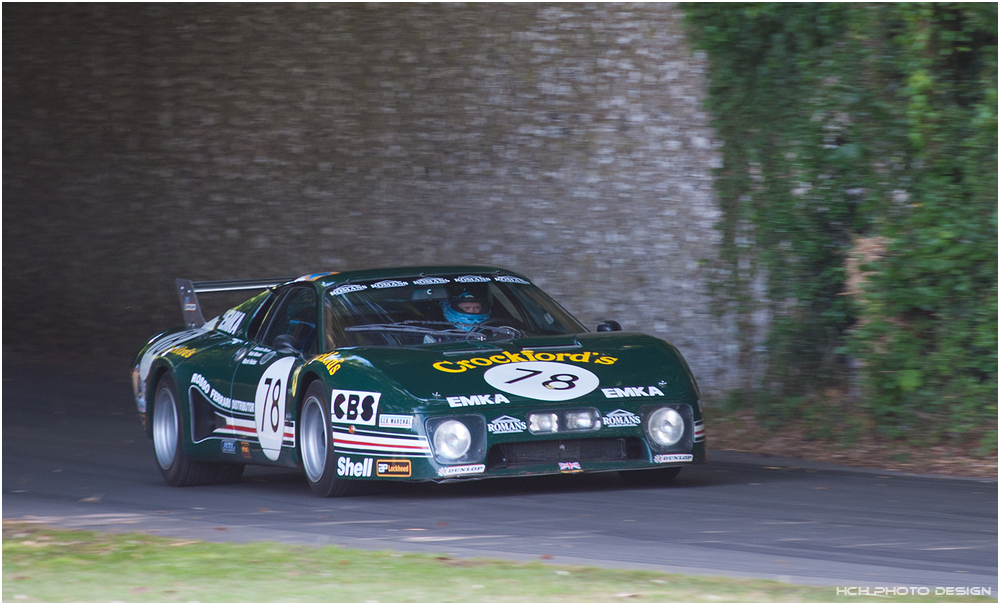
<point x="852" y="124"/>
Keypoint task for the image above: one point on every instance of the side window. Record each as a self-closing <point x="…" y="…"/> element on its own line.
<point x="295" y="314"/>
<point x="253" y="328"/>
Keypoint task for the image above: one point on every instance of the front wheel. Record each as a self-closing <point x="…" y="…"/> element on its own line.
<point x="168" y="443"/>
<point x="316" y="445"/>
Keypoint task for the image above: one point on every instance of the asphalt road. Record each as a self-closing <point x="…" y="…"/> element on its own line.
<point x="74" y="456"/>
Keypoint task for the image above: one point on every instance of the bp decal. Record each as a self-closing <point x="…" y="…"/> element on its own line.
<point x="542" y="380"/>
<point x="269" y="406"/>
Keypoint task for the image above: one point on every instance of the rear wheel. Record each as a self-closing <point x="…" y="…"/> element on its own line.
<point x="168" y="443"/>
<point x="655" y="476"/>
<point x="316" y="446"/>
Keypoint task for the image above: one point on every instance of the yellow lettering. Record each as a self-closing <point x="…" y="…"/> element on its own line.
<point x="440" y="365"/>
<point x="457" y="367"/>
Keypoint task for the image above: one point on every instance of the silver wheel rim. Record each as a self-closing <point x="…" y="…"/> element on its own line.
<point x="165" y="428"/>
<point x="313" y="439"/>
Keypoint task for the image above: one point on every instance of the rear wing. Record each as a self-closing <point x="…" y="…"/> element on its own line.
<point x="188" y="291"/>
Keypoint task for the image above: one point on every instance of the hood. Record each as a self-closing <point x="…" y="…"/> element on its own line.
<point x="572" y="369"/>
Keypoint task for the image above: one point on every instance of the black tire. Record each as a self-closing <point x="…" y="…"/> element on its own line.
<point x="655" y="476"/>
<point x="168" y="443"/>
<point x="316" y="446"/>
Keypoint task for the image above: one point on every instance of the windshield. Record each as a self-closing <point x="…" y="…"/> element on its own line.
<point x="446" y="308"/>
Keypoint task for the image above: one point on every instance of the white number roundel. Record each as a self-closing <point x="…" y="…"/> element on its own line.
<point x="542" y="380"/>
<point x="269" y="406"/>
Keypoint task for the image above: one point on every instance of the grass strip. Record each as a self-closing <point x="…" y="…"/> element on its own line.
<point x="52" y="565"/>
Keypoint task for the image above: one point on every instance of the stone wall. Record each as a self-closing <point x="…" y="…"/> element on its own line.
<point x="143" y="143"/>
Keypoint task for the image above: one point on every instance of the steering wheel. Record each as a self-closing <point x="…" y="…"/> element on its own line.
<point x="501" y="325"/>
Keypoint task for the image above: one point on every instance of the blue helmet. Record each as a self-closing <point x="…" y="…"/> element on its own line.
<point x="462" y="319"/>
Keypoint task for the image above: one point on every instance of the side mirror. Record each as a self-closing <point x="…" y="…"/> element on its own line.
<point x="285" y="343"/>
<point x="609" y="325"/>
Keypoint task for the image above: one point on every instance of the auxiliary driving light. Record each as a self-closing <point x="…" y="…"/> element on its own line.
<point x="666" y="426"/>
<point x="581" y="420"/>
<point x="542" y="422"/>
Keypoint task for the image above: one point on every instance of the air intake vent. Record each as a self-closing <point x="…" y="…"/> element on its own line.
<point x="511" y="455"/>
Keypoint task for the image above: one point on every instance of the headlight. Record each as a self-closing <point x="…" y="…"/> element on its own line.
<point x="452" y="440"/>
<point x="666" y="426"/>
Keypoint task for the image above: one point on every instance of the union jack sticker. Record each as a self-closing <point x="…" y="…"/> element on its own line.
<point x="570" y="467"/>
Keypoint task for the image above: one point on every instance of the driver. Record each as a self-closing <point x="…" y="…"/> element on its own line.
<point x="465" y="309"/>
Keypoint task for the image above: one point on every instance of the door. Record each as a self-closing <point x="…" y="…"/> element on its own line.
<point x="262" y="380"/>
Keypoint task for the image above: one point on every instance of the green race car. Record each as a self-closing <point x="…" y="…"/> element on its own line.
<point x="413" y="374"/>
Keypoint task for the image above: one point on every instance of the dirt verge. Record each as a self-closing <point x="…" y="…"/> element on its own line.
<point x="743" y="433"/>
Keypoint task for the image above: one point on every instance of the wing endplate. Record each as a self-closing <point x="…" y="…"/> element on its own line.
<point x="189" y="304"/>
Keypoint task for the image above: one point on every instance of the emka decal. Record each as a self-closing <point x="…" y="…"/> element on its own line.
<point x="632" y="392"/>
<point x="459" y="402"/>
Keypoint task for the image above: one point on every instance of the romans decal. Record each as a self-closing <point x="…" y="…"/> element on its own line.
<point x="347" y="288"/>
<point x="621" y="418"/>
<point x="506" y="425"/>
<point x="472" y="279"/>
<point x="389" y="283"/>
<point x="510" y="279"/>
<point x="431" y="281"/>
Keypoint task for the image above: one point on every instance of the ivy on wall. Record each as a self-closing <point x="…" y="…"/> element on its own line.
<point x="859" y="188"/>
